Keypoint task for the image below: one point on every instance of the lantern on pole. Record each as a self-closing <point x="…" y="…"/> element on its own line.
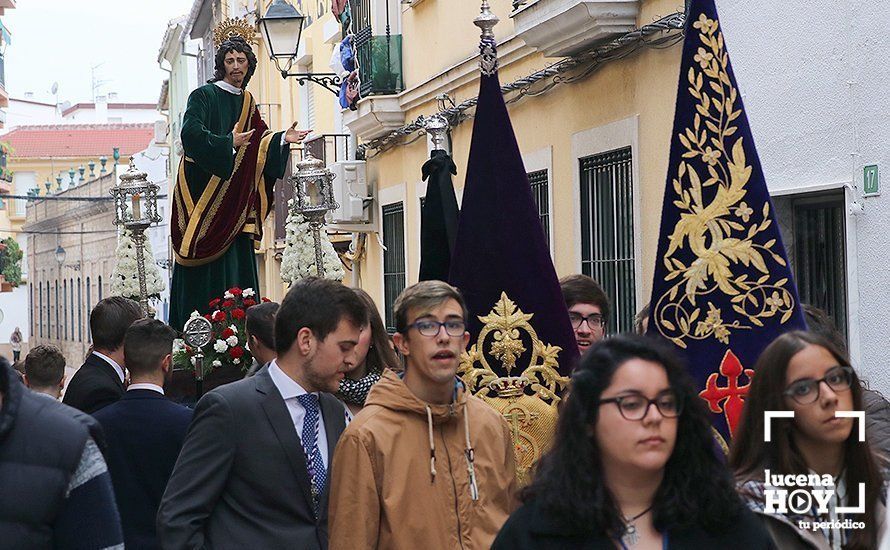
<point x="313" y="199"/>
<point x="136" y="208"/>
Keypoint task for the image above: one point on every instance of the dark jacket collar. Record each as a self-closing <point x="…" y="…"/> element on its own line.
<point x="12" y="390"/>
<point x="105" y="367"/>
<point x="142" y="394"/>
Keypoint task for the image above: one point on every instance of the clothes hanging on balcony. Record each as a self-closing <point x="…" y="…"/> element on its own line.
<point x="343" y="12"/>
<point x="349" y="89"/>
<point x="339" y="6"/>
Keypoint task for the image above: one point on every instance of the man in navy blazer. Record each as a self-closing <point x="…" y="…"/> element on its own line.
<point x="144" y="432"/>
<point x="100" y="381"/>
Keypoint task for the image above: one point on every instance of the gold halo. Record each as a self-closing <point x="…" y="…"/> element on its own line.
<point x="234" y="26"/>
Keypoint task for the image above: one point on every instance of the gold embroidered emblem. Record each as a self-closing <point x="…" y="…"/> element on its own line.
<point x="714" y="218"/>
<point x="509" y="338"/>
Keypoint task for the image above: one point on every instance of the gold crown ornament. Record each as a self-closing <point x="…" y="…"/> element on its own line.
<point x="234" y="26"/>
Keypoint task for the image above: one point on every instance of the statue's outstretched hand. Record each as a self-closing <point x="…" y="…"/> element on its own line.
<point x="240" y="138"/>
<point x="295" y="136"/>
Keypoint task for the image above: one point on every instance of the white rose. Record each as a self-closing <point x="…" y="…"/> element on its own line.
<point x="229" y="296"/>
<point x="220" y="346"/>
<point x="232" y="341"/>
<point x="248" y="293"/>
<point x="216" y="363"/>
<point x="234" y="328"/>
<point x="236" y="361"/>
<point x="194" y="314"/>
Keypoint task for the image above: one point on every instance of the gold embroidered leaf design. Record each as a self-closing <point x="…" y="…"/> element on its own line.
<point x="711" y="209"/>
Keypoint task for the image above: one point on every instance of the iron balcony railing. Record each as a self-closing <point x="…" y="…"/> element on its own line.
<point x="379" y="56"/>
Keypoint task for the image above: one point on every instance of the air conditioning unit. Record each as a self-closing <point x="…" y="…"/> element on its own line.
<point x="350" y="192"/>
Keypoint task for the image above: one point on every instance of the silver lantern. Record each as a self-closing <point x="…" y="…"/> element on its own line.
<point x="313" y="199"/>
<point x="136" y="208"/>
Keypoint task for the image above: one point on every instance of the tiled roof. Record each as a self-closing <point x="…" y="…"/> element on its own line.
<point x="78" y="140"/>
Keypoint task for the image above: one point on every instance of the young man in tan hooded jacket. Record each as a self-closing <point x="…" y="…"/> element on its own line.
<point x="424" y="462"/>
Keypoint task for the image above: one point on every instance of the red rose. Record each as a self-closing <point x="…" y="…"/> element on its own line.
<point x="228" y="304"/>
<point x="266" y="300"/>
<point x="238" y="313"/>
<point x="226" y="333"/>
<point x="236" y="291"/>
<point x="208" y="317"/>
<point x="219" y="316"/>
<point x="248" y="302"/>
<point x="237" y="352"/>
<point x="214" y="302"/>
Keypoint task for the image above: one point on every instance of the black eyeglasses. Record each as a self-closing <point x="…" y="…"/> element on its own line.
<point x="594" y="320"/>
<point x="807" y="391"/>
<point x="636" y="407"/>
<point x="427" y="327"/>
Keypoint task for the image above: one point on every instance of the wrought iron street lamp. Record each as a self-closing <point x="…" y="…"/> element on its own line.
<point x="313" y="199"/>
<point x="136" y="208"/>
<point x="282" y="26"/>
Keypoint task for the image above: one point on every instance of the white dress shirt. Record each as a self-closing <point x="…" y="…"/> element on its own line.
<point x="117" y="368"/>
<point x="289" y="391"/>
<point x="146" y="386"/>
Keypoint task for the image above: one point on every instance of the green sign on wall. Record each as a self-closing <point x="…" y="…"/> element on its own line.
<point x="870" y="182"/>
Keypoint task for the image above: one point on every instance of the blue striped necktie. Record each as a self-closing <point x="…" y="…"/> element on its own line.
<point x="314" y="464"/>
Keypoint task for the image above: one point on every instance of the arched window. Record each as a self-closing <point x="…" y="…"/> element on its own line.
<point x="79" y="312"/>
<point x="65" y="310"/>
<point x="89" y="308"/>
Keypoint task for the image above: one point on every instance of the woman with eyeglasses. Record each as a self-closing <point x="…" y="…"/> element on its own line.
<point x="633" y="465"/>
<point x="804" y="374"/>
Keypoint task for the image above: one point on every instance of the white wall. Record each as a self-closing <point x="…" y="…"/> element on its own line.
<point x="125" y="116"/>
<point x="21" y="113"/>
<point x="815" y="79"/>
<point x="15" y="313"/>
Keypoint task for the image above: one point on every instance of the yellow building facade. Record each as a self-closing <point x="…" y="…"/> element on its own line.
<point x="625" y="105"/>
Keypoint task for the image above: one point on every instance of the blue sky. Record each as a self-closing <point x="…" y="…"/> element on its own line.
<point x="60" y="40"/>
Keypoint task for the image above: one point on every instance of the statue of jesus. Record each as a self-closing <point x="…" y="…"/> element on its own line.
<point x="224" y="185"/>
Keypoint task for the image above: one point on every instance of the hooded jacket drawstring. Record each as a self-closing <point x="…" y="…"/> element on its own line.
<point x="471" y="458"/>
<point x="429" y="418"/>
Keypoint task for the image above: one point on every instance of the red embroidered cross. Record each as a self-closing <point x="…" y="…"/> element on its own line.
<point x="731" y="368"/>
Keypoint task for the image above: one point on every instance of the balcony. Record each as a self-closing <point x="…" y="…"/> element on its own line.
<point x="379" y="55"/>
<point x="4" y="95"/>
<point x="560" y="28"/>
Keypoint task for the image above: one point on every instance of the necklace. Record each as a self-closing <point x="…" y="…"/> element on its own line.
<point x="630" y="536"/>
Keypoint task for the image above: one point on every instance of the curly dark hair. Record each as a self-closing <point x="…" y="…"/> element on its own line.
<point x="697" y="490"/>
<point x="233" y="44"/>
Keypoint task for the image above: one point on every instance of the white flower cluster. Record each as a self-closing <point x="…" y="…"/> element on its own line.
<point x="125" y="277"/>
<point x="298" y="260"/>
<point x="220" y="346"/>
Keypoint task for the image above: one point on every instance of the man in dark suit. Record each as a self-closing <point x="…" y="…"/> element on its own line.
<point x="260" y="326"/>
<point x="144" y="432"/>
<point x="254" y="469"/>
<point x="100" y="381"/>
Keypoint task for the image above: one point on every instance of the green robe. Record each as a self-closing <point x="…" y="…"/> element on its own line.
<point x="207" y="142"/>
